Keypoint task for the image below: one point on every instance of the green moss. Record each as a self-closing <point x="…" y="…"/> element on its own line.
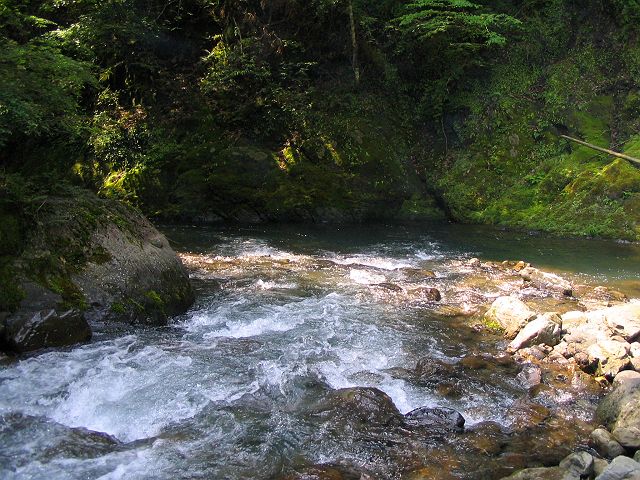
<point x="420" y="208"/>
<point x="99" y="255"/>
<point x="155" y="298"/>
<point x="492" y="325"/>
<point x="118" y="308"/>
<point x="71" y="295"/>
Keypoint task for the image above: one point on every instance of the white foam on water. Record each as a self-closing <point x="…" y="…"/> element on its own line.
<point x="257" y="327"/>
<point x="115" y="387"/>
<point x="272" y="285"/>
<point x="382" y="263"/>
<point x="364" y="277"/>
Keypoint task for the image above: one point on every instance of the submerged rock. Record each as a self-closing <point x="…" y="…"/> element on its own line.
<point x="510" y="314"/>
<point x="438" y="417"/>
<point x="530" y="376"/>
<point x="46" y="328"/>
<point x="427" y="293"/>
<point x="546" y="281"/>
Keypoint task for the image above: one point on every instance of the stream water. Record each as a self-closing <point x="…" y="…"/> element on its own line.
<point x="244" y="385"/>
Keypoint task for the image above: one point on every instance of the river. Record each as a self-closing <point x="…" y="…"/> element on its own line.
<point x="244" y="385"/>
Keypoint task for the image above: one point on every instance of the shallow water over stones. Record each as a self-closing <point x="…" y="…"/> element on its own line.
<point x="302" y="356"/>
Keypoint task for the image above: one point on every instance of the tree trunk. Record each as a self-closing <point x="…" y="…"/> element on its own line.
<point x="354" y="44"/>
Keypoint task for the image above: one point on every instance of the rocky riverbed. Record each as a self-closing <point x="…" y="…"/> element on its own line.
<point x="307" y="359"/>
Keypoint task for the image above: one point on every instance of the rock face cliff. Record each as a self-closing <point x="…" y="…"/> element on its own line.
<point x="88" y="262"/>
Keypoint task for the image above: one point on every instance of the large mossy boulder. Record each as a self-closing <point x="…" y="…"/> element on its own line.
<point x="98" y="259"/>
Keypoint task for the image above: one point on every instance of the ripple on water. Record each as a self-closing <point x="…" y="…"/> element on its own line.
<point x="226" y="391"/>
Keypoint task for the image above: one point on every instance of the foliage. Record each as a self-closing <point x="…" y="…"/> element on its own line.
<point x="41" y="88"/>
<point x="246" y="109"/>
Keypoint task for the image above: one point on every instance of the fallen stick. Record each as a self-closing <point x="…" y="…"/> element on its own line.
<point x="603" y="150"/>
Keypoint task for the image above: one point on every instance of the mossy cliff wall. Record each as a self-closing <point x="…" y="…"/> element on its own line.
<point x="505" y="163"/>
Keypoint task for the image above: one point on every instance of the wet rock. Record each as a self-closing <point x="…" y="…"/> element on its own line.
<point x="427" y="293"/>
<point x="530" y="376"/>
<point x="619" y="412"/>
<point x="544" y="329"/>
<point x="526" y="414"/>
<point x="530" y="354"/>
<point x="621" y="468"/>
<point x="392" y="287"/>
<point x="475" y="362"/>
<point x="360" y="406"/>
<point x="605" y="293"/>
<point x="510" y="314"/>
<point x="439" y="417"/>
<point x="418" y="273"/>
<point x="430" y="369"/>
<point x="46" y="328"/>
<point x="542" y="473"/>
<point x="546" y="281"/>
<point x="49" y="441"/>
<point x="322" y="472"/>
<point x="578" y="465"/>
<point x="605" y="444"/>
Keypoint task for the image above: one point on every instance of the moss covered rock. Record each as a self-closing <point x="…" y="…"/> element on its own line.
<point x="96" y="257"/>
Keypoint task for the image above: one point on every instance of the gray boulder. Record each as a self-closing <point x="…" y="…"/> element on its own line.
<point x="619" y="412"/>
<point x="621" y="468"/>
<point x="103" y="258"/>
<point x="605" y="444"/>
<point x="510" y="314"/>
<point x="542" y="473"/>
<point x="578" y="464"/>
<point x="543" y="329"/>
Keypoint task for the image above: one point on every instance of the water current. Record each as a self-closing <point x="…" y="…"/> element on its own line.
<point x="244" y="385"/>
